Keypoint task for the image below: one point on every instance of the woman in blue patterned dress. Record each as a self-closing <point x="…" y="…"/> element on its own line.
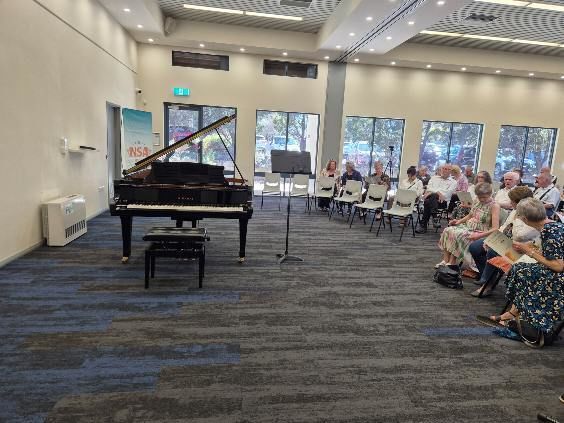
<point x="536" y="290"/>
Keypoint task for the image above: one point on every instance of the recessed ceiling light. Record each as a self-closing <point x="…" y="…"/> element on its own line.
<point x="284" y="53"/>
<point x="463" y="69"/>
<point x="369" y="18"/>
<point x="127" y="10"/>
<point x="139" y="26"/>
<point x="536" y="43"/>
<point x="270" y="15"/>
<point x="357" y="59"/>
<point x="213" y="9"/>
<point x="506" y="2"/>
<point x="498" y="71"/>
<point x="337" y="47"/>
<point x="202" y="45"/>
<point x="371" y="49"/>
<point x="562" y="77"/>
<point x="531" y="74"/>
<point x="411" y="23"/>
<point x="388" y="38"/>
<point x="393" y="63"/>
<point x="150" y="40"/>
<point x="546" y="6"/>
<point x="441" y="3"/>
<point x="242" y="49"/>
<point x="326" y="57"/>
<point x="352" y="34"/>
<point x="429" y="66"/>
<point x="447" y="34"/>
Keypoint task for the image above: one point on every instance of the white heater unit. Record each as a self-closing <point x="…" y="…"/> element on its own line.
<point x="64" y="219"/>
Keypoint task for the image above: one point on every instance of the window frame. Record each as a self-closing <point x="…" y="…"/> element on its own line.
<point x="371" y="163"/>
<point x="200" y="109"/>
<point x="223" y="59"/>
<point x="286" y="67"/>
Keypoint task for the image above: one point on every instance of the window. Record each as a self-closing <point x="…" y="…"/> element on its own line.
<point x="300" y="70"/>
<point x="450" y="142"/>
<point x="182" y="120"/>
<point x="368" y="140"/>
<point x="198" y="60"/>
<point x="284" y="131"/>
<point x="524" y="148"/>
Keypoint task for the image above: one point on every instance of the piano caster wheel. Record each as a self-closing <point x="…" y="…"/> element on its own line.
<point x="124" y="260"/>
<point x="241" y="260"/>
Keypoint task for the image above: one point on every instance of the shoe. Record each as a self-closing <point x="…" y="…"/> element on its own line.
<point x="421" y="229"/>
<point x="562" y="398"/>
<point x="441" y="263"/>
<point x="478" y="282"/>
<point x="486" y="293"/>
<point x="467" y="273"/>
<point x="436" y="223"/>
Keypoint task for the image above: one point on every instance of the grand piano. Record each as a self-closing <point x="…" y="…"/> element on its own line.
<point x="183" y="191"/>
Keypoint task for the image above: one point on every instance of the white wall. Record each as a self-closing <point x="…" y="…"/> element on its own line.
<point x="416" y="95"/>
<point x="244" y="87"/>
<point x="56" y="74"/>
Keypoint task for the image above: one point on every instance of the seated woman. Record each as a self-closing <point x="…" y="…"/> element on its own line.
<point x="462" y="209"/>
<point x="536" y="290"/>
<point x="350" y="174"/>
<point x="514" y="228"/>
<point x="330" y="171"/>
<point x="411" y="183"/>
<point x="482" y="220"/>
<point x="378" y="178"/>
<point x="461" y="185"/>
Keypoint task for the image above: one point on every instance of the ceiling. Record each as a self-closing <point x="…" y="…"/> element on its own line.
<point x="313" y="17"/>
<point x="513" y="22"/>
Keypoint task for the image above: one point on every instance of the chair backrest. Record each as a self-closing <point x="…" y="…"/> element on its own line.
<point x="376" y="195"/>
<point x="271" y="182"/>
<point x="503" y="215"/>
<point x="326" y="182"/>
<point x="300" y="185"/>
<point x="405" y="199"/>
<point x="353" y="188"/>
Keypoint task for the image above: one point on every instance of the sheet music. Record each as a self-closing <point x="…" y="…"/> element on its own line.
<point x="503" y="245"/>
<point x="464" y="197"/>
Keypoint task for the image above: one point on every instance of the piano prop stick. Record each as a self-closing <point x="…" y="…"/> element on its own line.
<point x="182" y="191"/>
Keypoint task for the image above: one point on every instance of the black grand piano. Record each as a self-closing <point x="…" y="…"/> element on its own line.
<point x="182" y="191"/>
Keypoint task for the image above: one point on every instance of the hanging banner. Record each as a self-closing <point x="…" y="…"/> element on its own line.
<point x="137" y="140"/>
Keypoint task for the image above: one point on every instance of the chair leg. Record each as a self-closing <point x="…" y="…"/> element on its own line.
<point x="279" y="201"/>
<point x="332" y="209"/>
<point x="153" y="265"/>
<point x="373" y="219"/>
<point x="201" y="269"/>
<point x="379" y="225"/>
<point x="147" y="268"/>
<point x="354" y="209"/>
<point x="402" y="229"/>
<point x="412" y="225"/>
<point x="261" y="199"/>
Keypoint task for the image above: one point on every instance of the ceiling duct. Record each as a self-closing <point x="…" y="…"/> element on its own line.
<point x="296" y="3"/>
<point x="476" y="19"/>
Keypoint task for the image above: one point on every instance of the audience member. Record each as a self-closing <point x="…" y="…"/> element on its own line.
<point x="516" y="170"/>
<point x="461" y="185"/>
<point x="536" y="290"/>
<point x="330" y="171"/>
<point x="378" y="177"/>
<point x="510" y="179"/>
<point x="513" y="227"/>
<point x="469" y="173"/>
<point x="462" y="209"/>
<point x="547" y="193"/>
<point x="350" y="174"/>
<point x="423" y="176"/>
<point x="439" y="191"/>
<point x="546" y="169"/>
<point x="482" y="220"/>
<point x="410" y="183"/>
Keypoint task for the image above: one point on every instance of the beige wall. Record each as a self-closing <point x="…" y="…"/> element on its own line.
<point x="416" y="95"/>
<point x="243" y="87"/>
<point x="55" y="82"/>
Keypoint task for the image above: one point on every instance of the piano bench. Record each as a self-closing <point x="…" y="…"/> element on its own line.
<point x="183" y="243"/>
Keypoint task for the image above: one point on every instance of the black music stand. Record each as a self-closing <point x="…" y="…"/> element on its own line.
<point x="294" y="163"/>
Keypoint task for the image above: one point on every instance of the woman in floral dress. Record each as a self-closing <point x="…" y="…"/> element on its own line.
<point x="536" y="290"/>
<point x="482" y="220"/>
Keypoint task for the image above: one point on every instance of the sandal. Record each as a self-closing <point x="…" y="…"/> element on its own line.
<point x="496" y="321"/>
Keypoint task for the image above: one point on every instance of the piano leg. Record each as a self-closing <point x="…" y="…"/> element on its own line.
<point x="179" y="223"/>
<point x="242" y="238"/>
<point x="126" y="225"/>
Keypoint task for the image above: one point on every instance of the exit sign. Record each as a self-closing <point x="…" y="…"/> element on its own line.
<point x="182" y="92"/>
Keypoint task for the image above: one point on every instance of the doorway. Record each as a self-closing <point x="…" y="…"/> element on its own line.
<point x="113" y="151"/>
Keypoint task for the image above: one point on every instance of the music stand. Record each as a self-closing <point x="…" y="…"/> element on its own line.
<point x="294" y="163"/>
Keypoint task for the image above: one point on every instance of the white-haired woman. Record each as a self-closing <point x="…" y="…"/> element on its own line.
<point x="482" y="220"/>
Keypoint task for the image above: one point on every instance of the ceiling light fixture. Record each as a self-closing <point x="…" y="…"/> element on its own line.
<point x="562" y="77"/>
<point x="202" y="45"/>
<point x="531" y="74"/>
<point x="388" y="38"/>
<point x="213" y="9"/>
<point x="429" y="66"/>
<point x="357" y="59"/>
<point x="284" y="53"/>
<point x="338" y="47"/>
<point x="411" y="23"/>
<point x="446" y="34"/>
<point x="536" y="43"/>
<point x="352" y="34"/>
<point x="326" y="57"/>
<point x="498" y="71"/>
<point x="441" y="3"/>
<point x="139" y="26"/>
<point x="369" y="18"/>
<point x="371" y="49"/>
<point x="127" y="10"/>
<point x="488" y="38"/>
<point x="517" y="3"/>
<point x="463" y="69"/>
<point x="150" y="40"/>
<point x="242" y="49"/>
<point x="393" y="63"/>
<point x="485" y="37"/>
<point x="546" y="6"/>
<point x="269" y="15"/>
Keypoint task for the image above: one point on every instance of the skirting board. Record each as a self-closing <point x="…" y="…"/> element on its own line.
<point x="22" y="253"/>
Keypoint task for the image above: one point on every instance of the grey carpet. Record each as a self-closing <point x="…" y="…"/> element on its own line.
<point x="358" y="332"/>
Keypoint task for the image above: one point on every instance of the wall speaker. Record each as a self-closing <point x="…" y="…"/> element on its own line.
<point x="169" y="25"/>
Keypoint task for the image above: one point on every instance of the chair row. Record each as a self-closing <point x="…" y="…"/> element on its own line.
<point x="299" y="187"/>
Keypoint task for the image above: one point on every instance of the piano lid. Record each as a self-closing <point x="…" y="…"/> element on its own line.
<point x="141" y="164"/>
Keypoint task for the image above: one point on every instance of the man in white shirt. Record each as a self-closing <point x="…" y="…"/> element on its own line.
<point x="439" y="191"/>
<point x="510" y="179"/>
<point x="547" y="193"/>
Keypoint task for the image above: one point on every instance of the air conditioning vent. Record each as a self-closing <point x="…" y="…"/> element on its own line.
<point x="475" y="19"/>
<point x="296" y="3"/>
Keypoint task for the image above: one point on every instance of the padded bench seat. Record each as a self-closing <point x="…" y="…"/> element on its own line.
<point x="182" y="243"/>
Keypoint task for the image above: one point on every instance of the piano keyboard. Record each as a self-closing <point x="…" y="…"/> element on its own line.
<point x="173" y="207"/>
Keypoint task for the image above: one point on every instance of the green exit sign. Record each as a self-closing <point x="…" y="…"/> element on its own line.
<point x="182" y="92"/>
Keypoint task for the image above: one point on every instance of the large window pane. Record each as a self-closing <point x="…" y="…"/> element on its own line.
<point x="388" y="132"/>
<point x="512" y="141"/>
<point x="213" y="151"/>
<point x="465" y="144"/>
<point x="302" y="133"/>
<point x="435" y="139"/>
<point x="358" y="143"/>
<point x="270" y="135"/>
<point x="538" y="153"/>
<point x="183" y="121"/>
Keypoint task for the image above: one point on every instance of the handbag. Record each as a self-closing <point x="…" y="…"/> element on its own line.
<point x="449" y="277"/>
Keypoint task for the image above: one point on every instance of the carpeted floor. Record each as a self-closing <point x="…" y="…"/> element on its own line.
<point x="358" y="332"/>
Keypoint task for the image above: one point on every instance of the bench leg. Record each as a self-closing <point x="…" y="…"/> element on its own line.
<point x="147" y="268"/>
